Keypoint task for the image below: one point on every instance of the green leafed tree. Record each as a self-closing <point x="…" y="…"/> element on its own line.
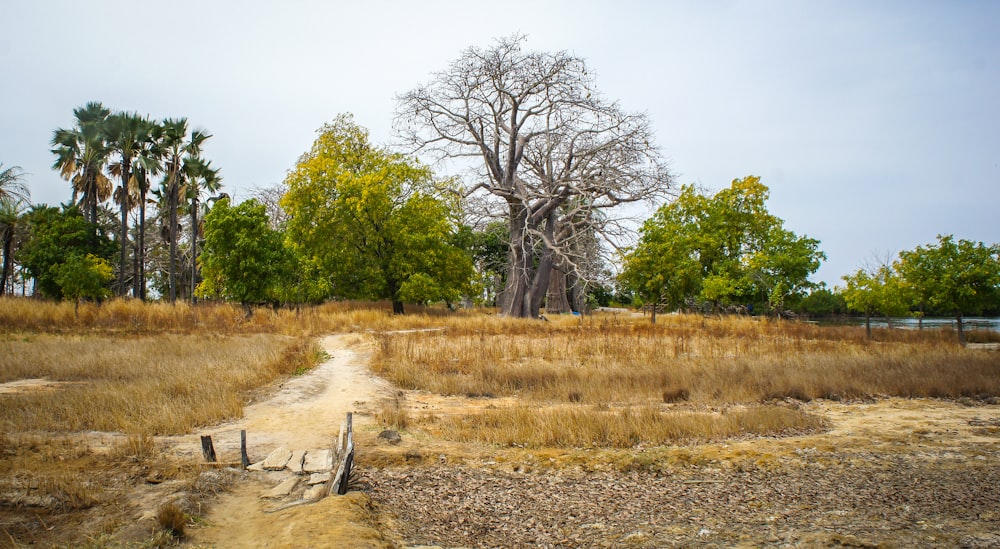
<point x="54" y="236"/>
<point x="663" y="268"/>
<point x="724" y="250"/>
<point x="876" y="290"/>
<point x="953" y="277"/>
<point x="83" y="276"/>
<point x="371" y="223"/>
<point x="243" y="260"/>
<point x="12" y="222"/>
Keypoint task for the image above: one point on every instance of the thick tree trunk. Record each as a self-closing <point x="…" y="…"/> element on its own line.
<point x="543" y="273"/>
<point x="397" y="306"/>
<point x="512" y="301"/>
<point x="556" y="301"/>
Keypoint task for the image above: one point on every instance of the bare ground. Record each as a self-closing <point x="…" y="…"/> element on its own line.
<point x="892" y="472"/>
<point x="305" y="413"/>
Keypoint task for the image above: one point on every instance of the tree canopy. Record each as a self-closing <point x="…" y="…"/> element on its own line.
<point x="244" y="260"/>
<point x="57" y="236"/>
<point x="550" y="153"/>
<point x="875" y="290"/>
<point x="956" y="277"/>
<point x="372" y="224"/>
<point x="721" y="250"/>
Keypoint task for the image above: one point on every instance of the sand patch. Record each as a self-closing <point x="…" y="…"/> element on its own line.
<point x="34" y="385"/>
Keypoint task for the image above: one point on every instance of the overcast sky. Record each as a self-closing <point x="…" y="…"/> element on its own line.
<point x="875" y="124"/>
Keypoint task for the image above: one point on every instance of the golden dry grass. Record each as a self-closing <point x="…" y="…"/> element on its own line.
<point x="152" y="385"/>
<point x="18" y="314"/>
<point x="739" y="360"/>
<point x="578" y="427"/>
<point x="139" y="385"/>
<point x="615" y="382"/>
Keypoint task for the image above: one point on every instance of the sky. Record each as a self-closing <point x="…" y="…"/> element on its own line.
<point x="875" y="124"/>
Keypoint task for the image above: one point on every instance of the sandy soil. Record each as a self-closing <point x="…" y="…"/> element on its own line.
<point x="305" y="413"/>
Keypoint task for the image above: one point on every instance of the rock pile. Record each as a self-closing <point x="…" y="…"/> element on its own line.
<point x="301" y="476"/>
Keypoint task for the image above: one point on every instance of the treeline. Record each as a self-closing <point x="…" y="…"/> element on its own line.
<point x="133" y="221"/>
<point x="724" y="252"/>
<point x="949" y="278"/>
<point x="532" y="225"/>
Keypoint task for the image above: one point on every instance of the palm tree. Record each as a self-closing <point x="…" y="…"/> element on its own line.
<point x="81" y="155"/>
<point x="178" y="149"/>
<point x="11" y="220"/>
<point x="147" y="164"/>
<point x="12" y="185"/>
<point x="124" y="134"/>
<point x="200" y="177"/>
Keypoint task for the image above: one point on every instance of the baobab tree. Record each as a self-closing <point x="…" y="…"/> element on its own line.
<point x="542" y="137"/>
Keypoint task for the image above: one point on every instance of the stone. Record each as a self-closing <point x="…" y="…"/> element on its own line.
<point x="315" y="493"/>
<point x="259" y="466"/>
<point x="281" y="490"/>
<point x="318" y="461"/>
<point x="295" y="463"/>
<point x="318" y="478"/>
<point x="277" y="460"/>
<point x="390" y="436"/>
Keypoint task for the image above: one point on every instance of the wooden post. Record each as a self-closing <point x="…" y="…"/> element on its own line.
<point x="339" y="482"/>
<point x="244" y="459"/>
<point x="207" y="449"/>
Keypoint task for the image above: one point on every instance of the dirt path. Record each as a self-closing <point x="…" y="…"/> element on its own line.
<point x="305" y="413"/>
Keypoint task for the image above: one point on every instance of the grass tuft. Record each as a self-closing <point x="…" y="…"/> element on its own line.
<point x="393" y="413"/>
<point x="172" y="519"/>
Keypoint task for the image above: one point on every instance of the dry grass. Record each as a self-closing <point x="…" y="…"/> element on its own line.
<point x="59" y="489"/>
<point x="172" y="519"/>
<point x="144" y="385"/>
<point x="18" y="314"/>
<point x="616" y="382"/>
<point x="695" y="359"/>
<point x="393" y="413"/>
<point x="580" y="427"/>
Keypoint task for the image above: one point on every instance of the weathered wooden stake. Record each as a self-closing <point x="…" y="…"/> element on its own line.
<point x="207" y="449"/>
<point x="339" y="482"/>
<point x="244" y="459"/>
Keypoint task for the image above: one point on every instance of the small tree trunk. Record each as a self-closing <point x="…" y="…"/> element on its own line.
<point x="868" y="324"/>
<point x="961" y="330"/>
<point x="140" y="283"/>
<point x="194" y="248"/>
<point x="8" y="264"/>
<point x="126" y="174"/>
